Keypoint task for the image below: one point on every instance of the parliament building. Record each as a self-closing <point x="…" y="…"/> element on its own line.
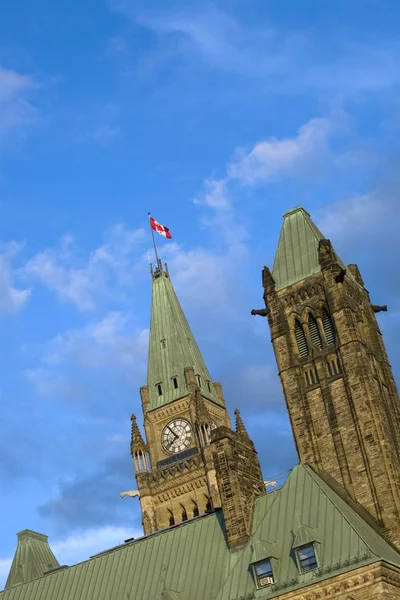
<point x="211" y="528"/>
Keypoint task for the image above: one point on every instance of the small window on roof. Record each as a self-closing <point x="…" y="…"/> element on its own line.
<point x="198" y="380"/>
<point x="307" y="558"/>
<point x="159" y="389"/>
<point x="264" y="574"/>
<point x="208" y="386"/>
<point x="175" y="382"/>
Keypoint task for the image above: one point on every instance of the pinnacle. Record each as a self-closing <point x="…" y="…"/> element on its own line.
<point x="240" y="428"/>
<point x="202" y="414"/>
<point x="136" y="437"/>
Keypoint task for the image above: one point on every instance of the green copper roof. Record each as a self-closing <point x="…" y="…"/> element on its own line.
<point x="297" y="253"/>
<point x="186" y="562"/>
<point x="172" y="347"/>
<point x="306" y="504"/>
<point x="32" y="558"/>
<point x="192" y="561"/>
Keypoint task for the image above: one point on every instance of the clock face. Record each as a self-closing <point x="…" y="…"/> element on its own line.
<point x="176" y="436"/>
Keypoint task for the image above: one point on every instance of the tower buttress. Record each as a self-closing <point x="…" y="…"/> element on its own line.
<point x="338" y="384"/>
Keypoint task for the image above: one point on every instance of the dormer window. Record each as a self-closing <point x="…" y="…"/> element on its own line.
<point x="307" y="558"/>
<point x="264" y="574"/>
<point x="159" y="389"/>
<point x="208" y="386"/>
<point x="198" y="380"/>
<point x="175" y="383"/>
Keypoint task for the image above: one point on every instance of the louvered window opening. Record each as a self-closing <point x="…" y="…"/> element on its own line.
<point x="314" y="332"/>
<point x="300" y="340"/>
<point x="328" y="327"/>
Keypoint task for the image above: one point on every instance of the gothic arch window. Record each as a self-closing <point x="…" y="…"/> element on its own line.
<point x="184" y="513"/>
<point x="315" y="335"/>
<point x="208" y="504"/>
<point x="329" y="328"/>
<point x="171" y="518"/>
<point x="195" y="509"/>
<point x="300" y="339"/>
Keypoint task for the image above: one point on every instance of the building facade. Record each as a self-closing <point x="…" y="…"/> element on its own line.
<point x="211" y="531"/>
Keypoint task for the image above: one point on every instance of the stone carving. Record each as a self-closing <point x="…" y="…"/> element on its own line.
<point x="131" y="494"/>
<point x="376" y="308"/>
<point x="263" y="312"/>
<point x="340" y="278"/>
<point x="147" y="525"/>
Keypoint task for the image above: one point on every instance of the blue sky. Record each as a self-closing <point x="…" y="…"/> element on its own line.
<point x="217" y="118"/>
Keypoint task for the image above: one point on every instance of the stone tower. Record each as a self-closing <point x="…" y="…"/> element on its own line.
<point x="189" y="444"/>
<point x="338" y="384"/>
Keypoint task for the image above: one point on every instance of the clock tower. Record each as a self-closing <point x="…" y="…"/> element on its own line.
<point x="181" y="405"/>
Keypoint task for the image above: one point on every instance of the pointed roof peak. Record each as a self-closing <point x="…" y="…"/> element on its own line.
<point x="294" y="210"/>
<point x="172" y="348"/>
<point x="33" y="558"/>
<point x="297" y="255"/>
<point x="240" y="428"/>
<point x="137" y="441"/>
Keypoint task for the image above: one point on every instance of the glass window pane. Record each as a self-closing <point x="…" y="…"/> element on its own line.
<point x="307" y="558"/>
<point x="263" y="568"/>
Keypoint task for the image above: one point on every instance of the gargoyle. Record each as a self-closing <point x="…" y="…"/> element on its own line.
<point x="340" y="277"/>
<point x="263" y="312"/>
<point x="376" y="308"/>
<point x="131" y="494"/>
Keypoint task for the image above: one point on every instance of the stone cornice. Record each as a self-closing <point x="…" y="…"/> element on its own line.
<point x="343" y="585"/>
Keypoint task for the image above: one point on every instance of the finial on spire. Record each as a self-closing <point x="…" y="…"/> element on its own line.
<point x="240" y="428"/>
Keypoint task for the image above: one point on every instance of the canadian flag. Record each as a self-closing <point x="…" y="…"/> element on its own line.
<point x="160" y="228"/>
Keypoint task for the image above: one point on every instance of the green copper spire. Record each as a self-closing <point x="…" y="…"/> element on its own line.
<point x="297" y="254"/>
<point x="172" y="348"/>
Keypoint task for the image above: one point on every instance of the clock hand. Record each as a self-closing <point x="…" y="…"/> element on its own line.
<point x="173" y="433"/>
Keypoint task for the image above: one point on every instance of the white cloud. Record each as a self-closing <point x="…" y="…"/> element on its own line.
<point x="84" y="282"/>
<point x="354" y="217"/>
<point x="5" y="565"/>
<point x="215" y="38"/>
<point x="53" y="384"/>
<point x="216" y="194"/>
<point x="110" y="341"/>
<point x="80" y="546"/>
<point x="281" y="59"/>
<point x="272" y="159"/>
<point x="12" y="299"/>
<point x="15" y="109"/>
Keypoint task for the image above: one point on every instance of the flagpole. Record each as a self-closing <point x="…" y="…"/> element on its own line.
<point x="154" y="243"/>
